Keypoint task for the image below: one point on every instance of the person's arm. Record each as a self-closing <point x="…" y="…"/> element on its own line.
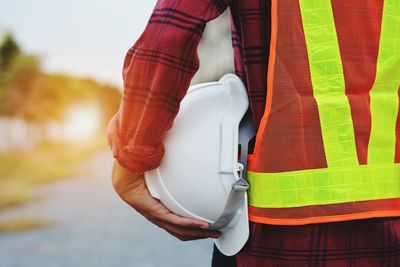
<point x="157" y="73"/>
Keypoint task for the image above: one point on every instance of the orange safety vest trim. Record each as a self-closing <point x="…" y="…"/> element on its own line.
<point x="328" y="145"/>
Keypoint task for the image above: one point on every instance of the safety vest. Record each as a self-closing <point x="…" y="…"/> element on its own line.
<point x="328" y="144"/>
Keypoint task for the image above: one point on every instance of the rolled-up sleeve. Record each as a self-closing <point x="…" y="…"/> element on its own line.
<point x="156" y="74"/>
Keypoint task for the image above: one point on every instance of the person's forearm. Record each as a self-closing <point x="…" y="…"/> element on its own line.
<point x="157" y="73"/>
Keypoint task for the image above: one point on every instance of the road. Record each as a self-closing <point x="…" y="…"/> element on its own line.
<point x="93" y="227"/>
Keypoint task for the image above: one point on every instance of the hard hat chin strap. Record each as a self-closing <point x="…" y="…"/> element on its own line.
<point x="234" y="203"/>
<point x="239" y="187"/>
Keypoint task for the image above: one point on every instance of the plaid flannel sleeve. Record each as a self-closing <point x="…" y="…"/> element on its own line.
<point x="157" y="72"/>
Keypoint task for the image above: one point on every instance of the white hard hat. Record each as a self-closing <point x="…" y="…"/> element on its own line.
<point x="201" y="176"/>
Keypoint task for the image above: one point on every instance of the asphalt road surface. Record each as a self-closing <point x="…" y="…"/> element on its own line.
<point x="93" y="227"/>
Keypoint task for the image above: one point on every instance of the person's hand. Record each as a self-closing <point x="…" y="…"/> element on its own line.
<point x="132" y="189"/>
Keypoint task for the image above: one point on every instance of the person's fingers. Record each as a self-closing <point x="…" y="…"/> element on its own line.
<point x="155" y="211"/>
<point x="153" y="208"/>
<point x="186" y="234"/>
<point x="132" y="189"/>
<point x="162" y="213"/>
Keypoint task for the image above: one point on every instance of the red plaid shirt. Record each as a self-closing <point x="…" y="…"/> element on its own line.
<point x="157" y="73"/>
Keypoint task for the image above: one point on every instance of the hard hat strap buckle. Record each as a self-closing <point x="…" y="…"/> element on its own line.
<point x="234" y="202"/>
<point x="241" y="184"/>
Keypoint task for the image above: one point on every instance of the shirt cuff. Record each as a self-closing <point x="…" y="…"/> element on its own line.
<point x="136" y="158"/>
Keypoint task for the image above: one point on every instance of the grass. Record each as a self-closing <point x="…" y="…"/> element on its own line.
<point x="20" y="172"/>
<point x="23" y="224"/>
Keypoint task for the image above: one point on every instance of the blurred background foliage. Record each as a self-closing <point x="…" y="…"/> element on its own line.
<point x="28" y="92"/>
<point x="36" y="98"/>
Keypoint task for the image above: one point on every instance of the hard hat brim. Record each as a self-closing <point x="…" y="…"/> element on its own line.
<point x="233" y="237"/>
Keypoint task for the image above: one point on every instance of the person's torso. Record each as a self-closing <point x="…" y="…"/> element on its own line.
<point x="327" y="146"/>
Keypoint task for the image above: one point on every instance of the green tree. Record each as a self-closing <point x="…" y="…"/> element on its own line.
<point x="9" y="50"/>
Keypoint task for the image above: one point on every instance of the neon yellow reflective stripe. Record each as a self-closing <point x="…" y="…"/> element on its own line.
<point x="384" y="99"/>
<point x="324" y="186"/>
<point x="328" y="82"/>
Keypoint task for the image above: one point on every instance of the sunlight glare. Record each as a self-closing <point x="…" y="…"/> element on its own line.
<point x="82" y="122"/>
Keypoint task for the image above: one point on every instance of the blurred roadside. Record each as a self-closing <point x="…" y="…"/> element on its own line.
<point x="49" y="125"/>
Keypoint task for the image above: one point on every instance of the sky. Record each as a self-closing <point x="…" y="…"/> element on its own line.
<point x="79" y="37"/>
